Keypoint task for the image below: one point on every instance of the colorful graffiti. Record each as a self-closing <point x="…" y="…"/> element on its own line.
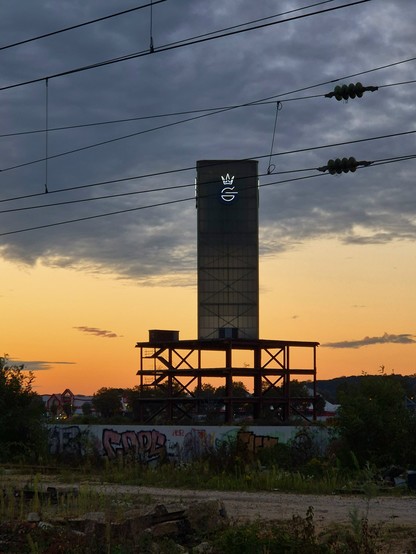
<point x="149" y="445"/>
<point x="145" y="446"/>
<point x="255" y="442"/>
<point x="195" y="443"/>
<point x="66" y="440"/>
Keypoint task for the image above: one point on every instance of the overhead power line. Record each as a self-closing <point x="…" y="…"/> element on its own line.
<point x="211" y="33"/>
<point x="154" y="116"/>
<point x="172" y="46"/>
<point x="72" y="27"/>
<point x="191" y="168"/>
<point x="210" y="113"/>
<point x="127" y="210"/>
<point x="133" y="193"/>
<point x="183" y="112"/>
<point x="181" y="200"/>
<point x="187" y="185"/>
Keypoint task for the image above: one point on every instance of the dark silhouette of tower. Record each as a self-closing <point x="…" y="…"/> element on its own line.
<point x="228" y="249"/>
<point x="228" y="317"/>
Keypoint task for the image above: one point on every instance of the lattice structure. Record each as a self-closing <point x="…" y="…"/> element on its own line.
<point x="173" y="372"/>
<point x="171" y="388"/>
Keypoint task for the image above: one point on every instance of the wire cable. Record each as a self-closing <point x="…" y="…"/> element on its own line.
<point x="170" y="202"/>
<point x="184" y="112"/>
<point x="146" y="191"/>
<point x="187" y="120"/>
<point x="46" y="133"/>
<point x="151" y="47"/>
<point x="173" y="46"/>
<point x="127" y="210"/>
<point x="193" y="167"/>
<point x="72" y="27"/>
<point x="271" y="166"/>
<point x="253" y="21"/>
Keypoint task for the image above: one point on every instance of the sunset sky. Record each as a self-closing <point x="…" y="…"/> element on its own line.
<point x="99" y="139"/>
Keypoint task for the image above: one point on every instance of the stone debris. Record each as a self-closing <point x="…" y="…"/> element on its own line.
<point x="185" y="525"/>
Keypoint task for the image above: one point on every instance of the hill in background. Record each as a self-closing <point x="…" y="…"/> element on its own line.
<point x="328" y="388"/>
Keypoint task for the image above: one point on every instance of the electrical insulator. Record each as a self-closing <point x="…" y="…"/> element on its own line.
<point x="343" y="165"/>
<point x="343" y="92"/>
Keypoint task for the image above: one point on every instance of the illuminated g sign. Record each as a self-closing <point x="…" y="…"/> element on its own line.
<point x="228" y="194"/>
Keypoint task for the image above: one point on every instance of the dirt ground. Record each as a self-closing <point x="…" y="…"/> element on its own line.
<point x="395" y="515"/>
<point x="392" y="512"/>
<point x="275" y="505"/>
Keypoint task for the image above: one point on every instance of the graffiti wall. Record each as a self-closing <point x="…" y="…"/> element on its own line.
<point x="152" y="445"/>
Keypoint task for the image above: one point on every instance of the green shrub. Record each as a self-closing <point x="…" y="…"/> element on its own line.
<point x="272" y="538"/>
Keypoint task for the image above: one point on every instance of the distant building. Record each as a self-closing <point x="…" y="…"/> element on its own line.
<point x="65" y="404"/>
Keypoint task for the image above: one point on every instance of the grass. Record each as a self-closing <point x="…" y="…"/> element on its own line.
<point x="202" y="476"/>
<point x="299" y="535"/>
<point x="17" y="502"/>
<point x="199" y="475"/>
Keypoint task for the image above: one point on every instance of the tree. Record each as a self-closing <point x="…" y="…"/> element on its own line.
<point x="205" y="391"/>
<point x="22" y="434"/>
<point x="151" y="401"/>
<point x="107" y="402"/>
<point x="300" y="396"/>
<point x="239" y="390"/>
<point x="86" y="408"/>
<point x="374" y="422"/>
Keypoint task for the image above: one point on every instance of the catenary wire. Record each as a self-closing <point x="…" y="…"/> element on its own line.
<point x="132" y="193"/>
<point x="170" y="202"/>
<point x="72" y="27"/>
<point x="252" y="21"/>
<point x="188" y="185"/>
<point x="194" y="118"/>
<point x="191" y="168"/>
<point x="184" y="112"/>
<point x="153" y="3"/>
<point x="381" y="161"/>
<point x="155" y="116"/>
<point x="126" y="210"/>
<point x="172" y="46"/>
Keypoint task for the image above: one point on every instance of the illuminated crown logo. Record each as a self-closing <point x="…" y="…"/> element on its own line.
<point x="227" y="180"/>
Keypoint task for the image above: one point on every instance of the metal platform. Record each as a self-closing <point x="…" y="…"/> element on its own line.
<point x="173" y="372"/>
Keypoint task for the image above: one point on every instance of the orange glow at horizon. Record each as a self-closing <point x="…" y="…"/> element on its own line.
<point x="83" y="327"/>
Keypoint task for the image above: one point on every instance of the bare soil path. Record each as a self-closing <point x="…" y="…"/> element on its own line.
<point x="275" y="505"/>
<point x="395" y="512"/>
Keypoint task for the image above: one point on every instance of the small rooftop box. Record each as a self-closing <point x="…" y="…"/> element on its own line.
<point x="163" y="335"/>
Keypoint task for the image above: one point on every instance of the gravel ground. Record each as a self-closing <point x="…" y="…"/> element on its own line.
<point x="392" y="512"/>
<point x="276" y="505"/>
<point x="273" y="505"/>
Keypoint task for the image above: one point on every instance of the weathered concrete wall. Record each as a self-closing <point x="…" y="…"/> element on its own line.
<point x="152" y="444"/>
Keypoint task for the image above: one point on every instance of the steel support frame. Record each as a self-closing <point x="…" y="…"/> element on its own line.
<point x="179" y="372"/>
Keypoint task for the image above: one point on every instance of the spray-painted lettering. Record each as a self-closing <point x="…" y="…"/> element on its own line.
<point x="255" y="442"/>
<point x="66" y="440"/>
<point x="145" y="446"/>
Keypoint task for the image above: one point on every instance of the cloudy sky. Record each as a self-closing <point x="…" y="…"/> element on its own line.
<point x="99" y="138"/>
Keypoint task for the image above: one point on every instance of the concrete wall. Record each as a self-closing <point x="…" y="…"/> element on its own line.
<point x="152" y="444"/>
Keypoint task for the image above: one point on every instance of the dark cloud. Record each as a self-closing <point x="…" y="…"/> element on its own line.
<point x="368" y="341"/>
<point x="38" y="365"/>
<point x="97" y="332"/>
<point x="373" y="205"/>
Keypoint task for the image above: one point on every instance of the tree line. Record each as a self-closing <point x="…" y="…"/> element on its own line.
<point x="375" y="422"/>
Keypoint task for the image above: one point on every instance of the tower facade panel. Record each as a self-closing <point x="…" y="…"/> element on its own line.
<point x="228" y="249"/>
